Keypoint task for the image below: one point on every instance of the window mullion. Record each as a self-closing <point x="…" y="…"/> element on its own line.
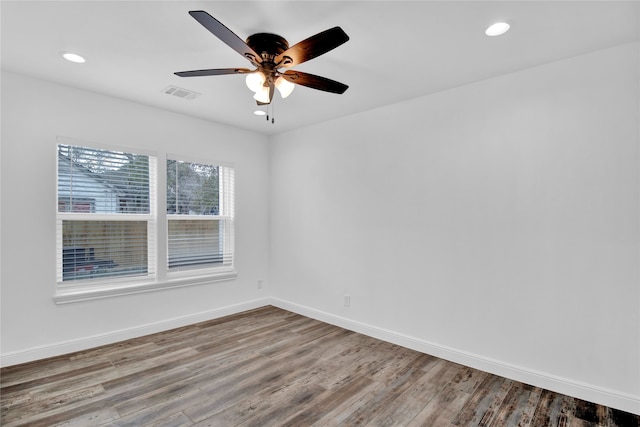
<point x="161" y="221"/>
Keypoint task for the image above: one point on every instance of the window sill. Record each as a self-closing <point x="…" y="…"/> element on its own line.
<point x="111" y="290"/>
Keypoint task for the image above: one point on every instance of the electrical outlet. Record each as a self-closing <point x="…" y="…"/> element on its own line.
<point x="347" y="300"/>
<point x="260" y="284"/>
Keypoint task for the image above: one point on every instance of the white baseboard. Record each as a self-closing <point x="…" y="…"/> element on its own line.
<point x="600" y="395"/>
<point x="612" y="398"/>
<point x="85" y="343"/>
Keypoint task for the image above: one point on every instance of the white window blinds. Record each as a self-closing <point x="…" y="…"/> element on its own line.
<point x="106" y="215"/>
<point x="200" y="212"/>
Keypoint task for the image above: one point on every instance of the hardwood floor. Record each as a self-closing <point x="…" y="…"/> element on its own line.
<point x="270" y="367"/>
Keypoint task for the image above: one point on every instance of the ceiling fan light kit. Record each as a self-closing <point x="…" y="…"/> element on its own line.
<point x="285" y="87"/>
<point x="270" y="53"/>
<point x="262" y="95"/>
<point x="255" y="81"/>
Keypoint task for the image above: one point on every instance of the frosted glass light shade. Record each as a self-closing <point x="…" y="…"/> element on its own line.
<point x="262" y="95"/>
<point x="285" y="87"/>
<point x="255" y="81"/>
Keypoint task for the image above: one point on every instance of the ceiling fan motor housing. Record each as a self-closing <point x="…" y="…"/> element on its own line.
<point x="267" y="45"/>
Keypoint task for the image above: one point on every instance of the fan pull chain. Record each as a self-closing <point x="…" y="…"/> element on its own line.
<point x="270" y="113"/>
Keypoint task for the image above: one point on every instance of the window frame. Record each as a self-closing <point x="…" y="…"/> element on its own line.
<point x="157" y="235"/>
<point x="228" y="219"/>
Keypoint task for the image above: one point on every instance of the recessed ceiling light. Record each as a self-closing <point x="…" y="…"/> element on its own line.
<point x="497" y="29"/>
<point x="259" y="113"/>
<point x="73" y="57"/>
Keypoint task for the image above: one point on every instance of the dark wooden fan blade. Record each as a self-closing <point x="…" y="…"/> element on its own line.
<point x="226" y="35"/>
<point x="314" y="82"/>
<point x="312" y="47"/>
<point x="213" y="72"/>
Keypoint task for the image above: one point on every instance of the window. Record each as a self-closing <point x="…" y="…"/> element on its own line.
<point x="109" y="218"/>
<point x="199" y="216"/>
<point x="106" y="215"/>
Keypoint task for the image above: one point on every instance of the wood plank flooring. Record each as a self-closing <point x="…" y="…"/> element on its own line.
<point x="270" y="367"/>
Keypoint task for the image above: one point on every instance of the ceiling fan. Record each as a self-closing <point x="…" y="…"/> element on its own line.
<point x="269" y="53"/>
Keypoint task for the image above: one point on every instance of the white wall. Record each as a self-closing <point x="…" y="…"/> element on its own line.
<point x="34" y="112"/>
<point x="495" y="223"/>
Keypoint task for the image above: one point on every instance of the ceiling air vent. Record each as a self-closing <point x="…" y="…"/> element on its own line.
<point x="180" y="92"/>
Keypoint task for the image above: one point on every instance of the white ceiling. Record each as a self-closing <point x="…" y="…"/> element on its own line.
<point x="398" y="50"/>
